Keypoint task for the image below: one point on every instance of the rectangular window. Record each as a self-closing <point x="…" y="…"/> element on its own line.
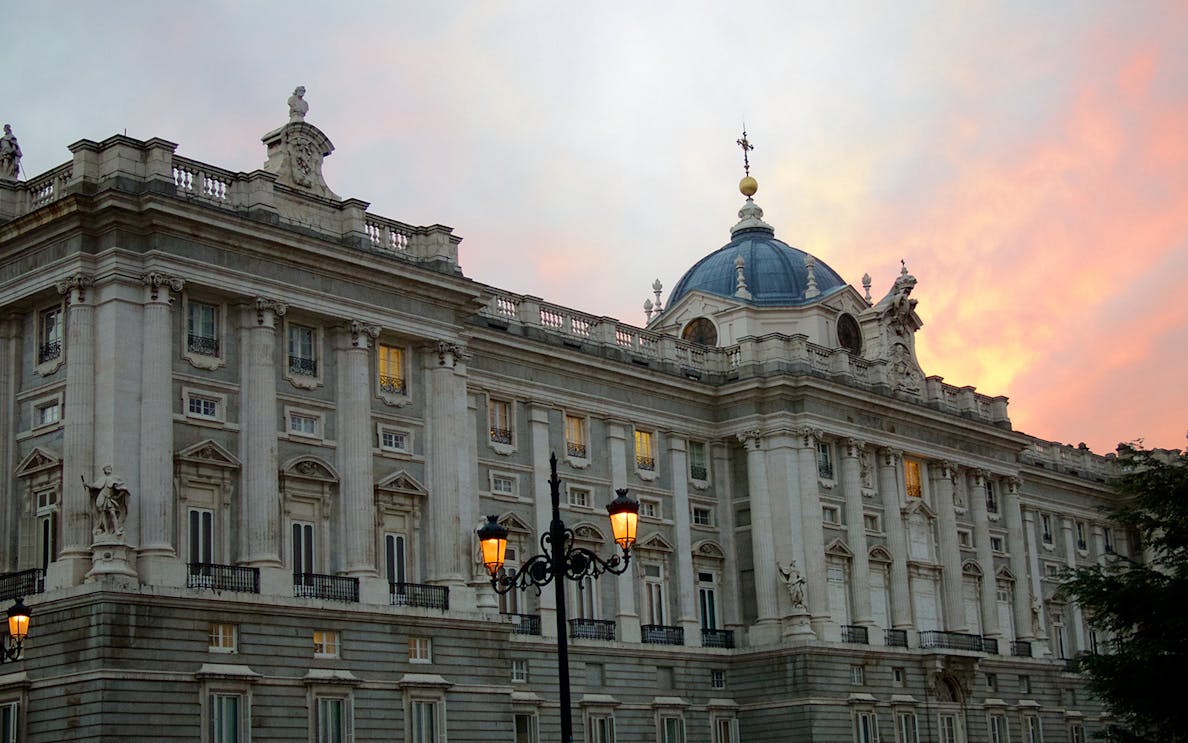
<point x="506" y="485"/>
<point x="992" y="681"/>
<point x="47" y="413"/>
<point x="1024" y="684"/>
<point x="10" y="720"/>
<point x="394" y="558"/>
<point x="655" y="611"/>
<point x="392" y="439"/>
<point x="47" y="539"/>
<point x="1031" y="726"/>
<point x="698" y="470"/>
<point x="222" y="637"/>
<point x="303" y="548"/>
<point x="331" y="720"/>
<point x="1046" y="528"/>
<point x="575" y="436"/>
<point x="499" y="420"/>
<point x="1082" y="543"/>
<point x="707" y="600"/>
<point x="717" y="679"/>
<point x="872" y="523"/>
<point x="326" y="644"/>
<point x="672" y="729"/>
<point x="825" y="459"/>
<point x="519" y="670"/>
<point x="948" y="729"/>
<point x="390" y="366"/>
<point x="991" y="497"/>
<point x="49" y="334"/>
<point x="998" y="544"/>
<point x="830" y="514"/>
<point x="579" y="497"/>
<point x="602" y="728"/>
<point x="201" y="533"/>
<point x="645" y="454"/>
<point x="898" y="676"/>
<point x="725" y="730"/>
<point x="202" y="407"/>
<point x="526" y="728"/>
<point x="1076" y="733"/>
<point x="703" y="516"/>
<point x="649" y="508"/>
<point x="202" y="328"/>
<point x="420" y="650"/>
<point x="303" y="357"/>
<point x="908" y="730"/>
<point x="226" y="718"/>
<point x="423" y="721"/>
<point x="304" y="425"/>
<point x="866" y="727"/>
<point x="857" y="675"/>
<point x="964" y="538"/>
<point x="911" y="478"/>
<point x="1108" y="538"/>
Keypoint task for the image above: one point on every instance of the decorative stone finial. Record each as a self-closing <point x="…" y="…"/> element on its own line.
<point x="657" y="287"/>
<point x="297" y="105"/>
<point x="10" y="155"/>
<point x="866" y="286"/>
<point x="810" y="263"/>
<point x="647" y="307"/>
<point x="740" y="290"/>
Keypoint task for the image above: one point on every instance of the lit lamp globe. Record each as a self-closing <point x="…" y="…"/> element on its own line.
<point x="493" y="543"/>
<point x="18" y="621"/>
<point x="624" y="518"/>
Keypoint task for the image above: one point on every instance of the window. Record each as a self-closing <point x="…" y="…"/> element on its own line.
<point x="911" y="478"/>
<point x="601" y="728"/>
<point x="1024" y="684"/>
<point x="707" y="600"/>
<point x="717" y="679"/>
<point x="672" y="729"/>
<point x="857" y="675"/>
<point x="420" y="650"/>
<point x="1002" y="592"/>
<point x="725" y="730"/>
<point x="223" y="637"/>
<point x="1046" y="528"/>
<point x="304" y="424"/>
<point x="1082" y="543"/>
<point x="302" y="548"/>
<point x="1076" y="732"/>
<point x="390" y="368"/>
<point x="227" y="717"/>
<point x="10" y="720"/>
<point x="649" y="508"/>
<point x="49" y="335"/>
<point x="645" y="453"/>
<point x="697" y="466"/>
<point x="423" y="722"/>
<point x="583" y="599"/>
<point x="47" y="413"/>
<point x="965" y="538"/>
<point x="991" y="497"/>
<point x="303" y="358"/>
<point x="898" y="677"/>
<point x="830" y="514"/>
<point x="506" y="485"/>
<point x="394" y="557"/>
<point x="1108" y="538"/>
<point x="872" y="523"/>
<point x="526" y="728"/>
<point x="1032" y="729"/>
<point x="866" y="727"/>
<point x="992" y="682"/>
<point x="579" y="497"/>
<point x="201" y="535"/>
<point x="703" y="516"/>
<point x="909" y="732"/>
<point x="948" y="729"/>
<point x="998" y="544"/>
<point x="1051" y="570"/>
<point x="326" y="644"/>
<point x="575" y="436"/>
<point x="499" y="420"/>
<point x="655" y="610"/>
<point x="47" y="538"/>
<point x="519" y="670"/>
<point x="393" y="439"/>
<point x="202" y="328"/>
<point x="200" y="406"/>
<point x="332" y="720"/>
<point x="825" y="459"/>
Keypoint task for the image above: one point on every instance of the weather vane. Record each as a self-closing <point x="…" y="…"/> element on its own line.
<point x="746" y="147"/>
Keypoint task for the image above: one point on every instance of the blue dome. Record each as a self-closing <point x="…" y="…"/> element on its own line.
<point x="775" y="272"/>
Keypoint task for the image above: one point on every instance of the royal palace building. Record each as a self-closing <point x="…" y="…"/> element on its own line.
<point x="249" y="429"/>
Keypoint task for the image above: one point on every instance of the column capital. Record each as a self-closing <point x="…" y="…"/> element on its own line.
<point x="944" y="470"/>
<point x="853" y="447"/>
<point x="361" y="334"/>
<point x="156" y="281"/>
<point x="808" y="436"/>
<point x="978" y="475"/>
<point x="889" y="457"/>
<point x="449" y="353"/>
<point x="267" y="310"/>
<point x="1013" y="484"/>
<point x="675" y="441"/>
<point x="75" y="287"/>
<point x="751" y="440"/>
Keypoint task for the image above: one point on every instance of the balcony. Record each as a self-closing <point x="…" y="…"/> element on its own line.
<point x="895" y="638"/>
<point x="49" y="351"/>
<point x="419" y="594"/>
<point x="202" y="344"/>
<point x="525" y="624"/>
<point x="575" y="449"/>
<point x="222" y="577"/>
<point x="662" y="634"/>
<point x="330" y="587"/>
<point x="1021" y="649"/>
<point x="951" y="641"/>
<point x="391" y="385"/>
<point x="303" y="367"/>
<point x="24" y="583"/>
<point x="717" y="638"/>
<point x="854" y="634"/>
<point x="501" y="435"/>
<point x="698" y="472"/>
<point x="990" y="645"/>
<point x="591" y="629"/>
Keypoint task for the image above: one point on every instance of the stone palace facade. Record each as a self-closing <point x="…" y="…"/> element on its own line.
<point x="307" y="410"/>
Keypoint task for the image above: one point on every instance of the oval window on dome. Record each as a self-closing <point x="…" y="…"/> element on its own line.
<point x="849" y="335"/>
<point x="701" y="331"/>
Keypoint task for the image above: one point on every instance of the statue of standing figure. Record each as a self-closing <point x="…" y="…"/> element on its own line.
<point x="793" y="581"/>
<point x="110" y="498"/>
<point x="10" y="155"/>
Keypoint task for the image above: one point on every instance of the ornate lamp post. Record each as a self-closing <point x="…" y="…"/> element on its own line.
<point x="18" y="630"/>
<point x="559" y="559"/>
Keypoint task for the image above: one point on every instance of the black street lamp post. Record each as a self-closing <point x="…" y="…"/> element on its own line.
<point x="18" y="630"/>
<point x="560" y="558"/>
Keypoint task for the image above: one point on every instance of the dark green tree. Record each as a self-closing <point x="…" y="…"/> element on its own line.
<point x="1140" y="603"/>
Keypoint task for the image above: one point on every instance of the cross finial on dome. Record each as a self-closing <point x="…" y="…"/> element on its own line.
<point x="746" y="148"/>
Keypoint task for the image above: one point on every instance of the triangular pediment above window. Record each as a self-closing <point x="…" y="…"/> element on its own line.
<point x="709" y="548"/>
<point x="918" y="506"/>
<point x="37" y="460"/>
<point x="309" y="468"/>
<point x="208" y="452"/>
<point x="879" y="553"/>
<point x="838" y="548"/>
<point x="654" y="542"/>
<point x="1004" y="573"/>
<point x="401" y="482"/>
<point x="514" y="523"/>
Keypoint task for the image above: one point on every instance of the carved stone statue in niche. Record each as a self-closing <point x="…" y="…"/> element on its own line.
<point x="109" y="498"/>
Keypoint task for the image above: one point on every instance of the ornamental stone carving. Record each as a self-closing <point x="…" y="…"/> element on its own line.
<point x="154" y="281"/>
<point x="79" y="283"/>
<point x="269" y="305"/>
<point x="109" y="501"/>
<point x="750" y="439"/>
<point x="361" y="332"/>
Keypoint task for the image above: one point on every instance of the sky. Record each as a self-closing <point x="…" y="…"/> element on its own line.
<point x="1028" y="161"/>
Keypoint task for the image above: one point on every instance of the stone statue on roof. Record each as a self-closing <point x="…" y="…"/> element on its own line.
<point x="297" y="105"/>
<point x="10" y="155"/>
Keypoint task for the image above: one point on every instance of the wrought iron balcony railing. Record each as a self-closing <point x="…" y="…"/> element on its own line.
<point x="717" y="638"/>
<point x="302" y="366"/>
<point x="592" y="629"/>
<point x="698" y="472"/>
<point x="391" y="385"/>
<point x="574" y="449"/>
<point x="951" y="641"/>
<point x="49" y="351"/>
<point x="223" y="577"/>
<point x="662" y="634"/>
<point x="23" y="583"/>
<point x="895" y="638"/>
<point x="331" y="587"/>
<point x="1021" y="649"/>
<point x="855" y="634"/>
<point x="420" y="594"/>
<point x="525" y="624"/>
<point x="645" y="463"/>
<point x="990" y="645"/>
<point x="203" y="344"/>
<point x="501" y="435"/>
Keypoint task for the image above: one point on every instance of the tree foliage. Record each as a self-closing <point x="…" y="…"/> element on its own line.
<point x="1140" y="603"/>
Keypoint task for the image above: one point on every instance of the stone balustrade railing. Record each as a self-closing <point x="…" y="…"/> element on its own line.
<point x="1066" y="459"/>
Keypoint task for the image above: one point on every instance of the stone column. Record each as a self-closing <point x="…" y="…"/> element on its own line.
<point x="1099" y="544"/>
<point x="943" y="474"/>
<point x="1037" y="618"/>
<point x="158" y="549"/>
<point x="684" y="581"/>
<point x="731" y="603"/>
<point x="78" y="434"/>
<point x="889" y="482"/>
<point x="627" y="617"/>
<point x="260" y="526"/>
<point x="981" y="519"/>
<point x="538" y="430"/>
<point x="1074" y="621"/>
<point x="356" y="512"/>
<point x="816" y="594"/>
<point x="851" y="481"/>
<point x="449" y="541"/>
<point x="11" y="334"/>
<point x="766" y="628"/>
<point x="1016" y="544"/>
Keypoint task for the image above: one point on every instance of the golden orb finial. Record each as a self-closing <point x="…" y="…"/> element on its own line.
<point x="748" y="186"/>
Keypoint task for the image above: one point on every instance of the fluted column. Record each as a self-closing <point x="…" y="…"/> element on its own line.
<point x="851" y="480"/>
<point x="156" y="499"/>
<point x="627" y="617"/>
<point x="78" y="434"/>
<point x="356" y="498"/>
<point x="950" y="552"/>
<point x="762" y="540"/>
<point x="448" y="542"/>
<point x="684" y="580"/>
<point x="732" y="600"/>
<point x="538" y="431"/>
<point x="981" y="518"/>
<point x="11" y="334"/>
<point x="889" y="491"/>
<point x="816" y="594"/>
<point x="1075" y="621"/>
<point x="260" y="531"/>
<point x="1018" y="546"/>
<point x="1099" y="552"/>
<point x="1038" y="617"/>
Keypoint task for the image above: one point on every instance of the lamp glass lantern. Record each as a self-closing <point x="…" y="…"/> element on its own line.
<point x="18" y="621"/>
<point x="493" y="543"/>
<point x="624" y="518"/>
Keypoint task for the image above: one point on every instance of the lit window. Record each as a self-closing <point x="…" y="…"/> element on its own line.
<point x="391" y="369"/>
<point x="420" y="650"/>
<point x="202" y="407"/>
<point x="47" y="413"/>
<point x="717" y="679"/>
<point x="575" y="436"/>
<point x="825" y="459"/>
<point x="697" y="466"/>
<point x="303" y="358"/>
<point x="303" y="425"/>
<point x="332" y="720"/>
<point x="645" y="454"/>
<point x="506" y="485"/>
<point x="49" y="335"/>
<point x="519" y="670"/>
<point x="222" y="637"/>
<point x="703" y="516"/>
<point x="579" y="497"/>
<point x="392" y="439"/>
<point x="325" y="644"/>
<point x="202" y="328"/>
<point x="911" y="478"/>
<point x="226" y="718"/>
<point x="499" y="419"/>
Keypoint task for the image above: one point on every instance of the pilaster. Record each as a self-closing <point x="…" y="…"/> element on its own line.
<point x="766" y="629"/>
<point x="889" y="491"/>
<point x="538" y="430"/>
<point x="447" y="541"/>
<point x="686" y="581"/>
<point x="1018" y="547"/>
<point x="816" y="595"/>
<point x="943" y="475"/>
<point x="356" y="500"/>
<point x="260" y="529"/>
<point x="627" y="617"/>
<point x="981" y="518"/>
<point x="1038" y="618"/>
<point x="1075" y="619"/>
<point x="851" y="482"/>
